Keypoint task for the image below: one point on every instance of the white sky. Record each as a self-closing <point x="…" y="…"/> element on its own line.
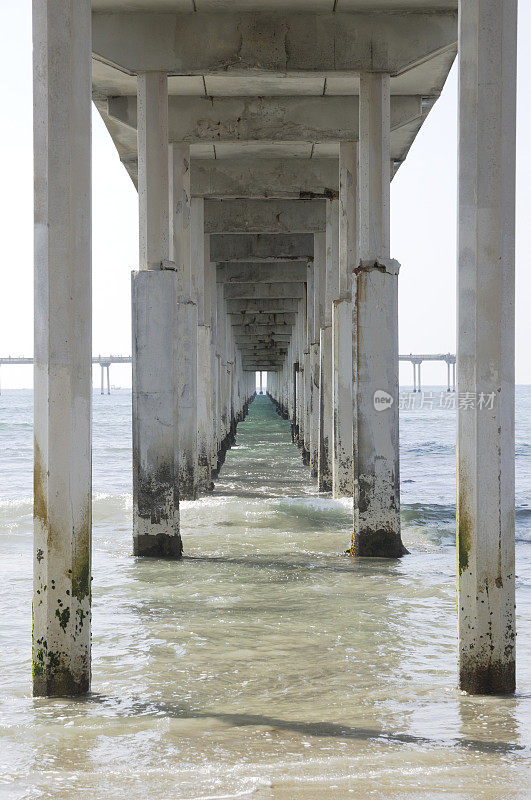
<point x="423" y="218"/>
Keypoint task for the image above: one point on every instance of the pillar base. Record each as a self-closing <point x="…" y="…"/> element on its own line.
<point x="64" y="684"/>
<point x="378" y="544"/>
<point x="161" y="545"/>
<point x="493" y="678"/>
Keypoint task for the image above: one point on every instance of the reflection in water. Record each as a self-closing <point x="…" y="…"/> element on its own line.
<point x="266" y="664"/>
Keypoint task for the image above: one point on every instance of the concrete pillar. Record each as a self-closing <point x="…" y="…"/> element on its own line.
<point x="153" y="185"/>
<point x="342" y="324"/>
<point x="157" y="327"/>
<point x="186" y="380"/>
<point x="485" y="428"/>
<point x="185" y="262"/>
<point x="63" y="357"/>
<point x="376" y="530"/>
<point x="331" y="292"/>
<point x="309" y="325"/>
<point x="180" y="214"/>
<point x="319" y="283"/>
<point x="155" y="320"/>
<point x="202" y="292"/>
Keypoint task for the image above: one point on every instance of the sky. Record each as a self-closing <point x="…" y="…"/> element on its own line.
<point x="423" y="222"/>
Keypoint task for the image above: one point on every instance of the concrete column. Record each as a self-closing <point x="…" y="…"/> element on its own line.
<point x="186" y="388"/>
<point x="185" y="263"/>
<point x="200" y="280"/>
<point x="376" y="530"/>
<point x="331" y="291"/>
<point x="153" y="169"/>
<point x="63" y="357"/>
<point x="485" y="428"/>
<point x="308" y="362"/>
<point x="180" y="214"/>
<point x="319" y="283"/>
<point x="156" y="349"/>
<point x="342" y="324"/>
<point x="156" y="329"/>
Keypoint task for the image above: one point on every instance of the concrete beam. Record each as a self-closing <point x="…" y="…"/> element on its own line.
<point x="263" y="306"/>
<point x="260" y="272"/>
<point x="265" y="247"/>
<point x="290" y="178"/>
<point x="299" y="118"/>
<point x="265" y="290"/>
<point x="265" y="216"/>
<point x="262" y="319"/>
<point x="276" y="43"/>
<point x="277" y="337"/>
<point x="260" y="330"/>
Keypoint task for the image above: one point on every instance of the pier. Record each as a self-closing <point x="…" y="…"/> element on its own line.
<point x="262" y="144"/>
<point x="106" y="361"/>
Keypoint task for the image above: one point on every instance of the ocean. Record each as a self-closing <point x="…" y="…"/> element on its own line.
<point x="266" y="664"/>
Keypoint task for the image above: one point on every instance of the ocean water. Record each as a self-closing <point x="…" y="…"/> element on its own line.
<point x="266" y="664"/>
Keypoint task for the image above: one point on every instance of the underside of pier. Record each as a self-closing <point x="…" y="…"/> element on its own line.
<point x="262" y="138"/>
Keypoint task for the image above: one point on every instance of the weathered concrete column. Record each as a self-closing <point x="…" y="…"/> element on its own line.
<point x="155" y="318"/>
<point x="201" y="246"/>
<point x="185" y="262"/>
<point x="325" y="386"/>
<point x="153" y="185"/>
<point x="342" y="324"/>
<point x="376" y="530"/>
<point x="157" y="326"/>
<point x="319" y="284"/>
<point x="308" y="362"/>
<point x="63" y="368"/>
<point x="486" y="233"/>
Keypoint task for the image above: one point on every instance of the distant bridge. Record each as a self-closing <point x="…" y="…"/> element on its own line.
<point x="417" y="359"/>
<point x="104" y="362"/>
<point x="414" y="358"/>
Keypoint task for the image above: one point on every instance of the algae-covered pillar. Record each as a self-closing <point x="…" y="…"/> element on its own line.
<point x="63" y="358"/>
<point x="155" y="295"/>
<point x="376" y="462"/>
<point x="485" y="350"/>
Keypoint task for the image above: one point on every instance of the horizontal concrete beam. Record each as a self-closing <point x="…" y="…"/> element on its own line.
<point x="260" y="272"/>
<point x="262" y="319"/>
<point x="263" y="349"/>
<point x="265" y="290"/>
<point x="278" y="337"/>
<point x="265" y="216"/>
<point x="265" y="247"/>
<point x="277" y="306"/>
<point x="290" y="178"/>
<point x="298" y="118"/>
<point x="252" y="178"/>
<point x="259" y="330"/>
<point x="263" y="43"/>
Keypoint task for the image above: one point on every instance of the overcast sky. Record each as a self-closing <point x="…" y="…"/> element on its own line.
<point x="423" y="222"/>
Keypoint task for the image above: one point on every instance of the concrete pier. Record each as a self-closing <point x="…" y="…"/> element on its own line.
<point x="264" y="200"/>
<point x="485" y="430"/>
<point x="62" y="370"/>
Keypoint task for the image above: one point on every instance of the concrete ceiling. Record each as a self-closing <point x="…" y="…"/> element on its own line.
<point x="338" y="6"/>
